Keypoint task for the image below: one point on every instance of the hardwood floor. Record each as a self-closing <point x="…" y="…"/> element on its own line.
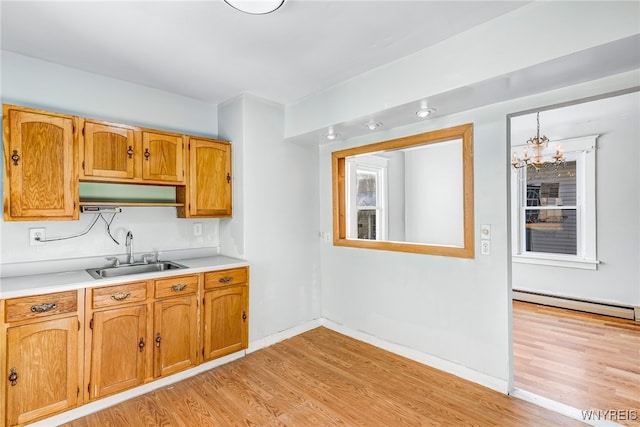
<point x="586" y="361"/>
<point x="322" y="378"/>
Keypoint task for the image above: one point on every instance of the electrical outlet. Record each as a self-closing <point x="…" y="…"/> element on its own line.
<point x="36" y="235"/>
<point x="197" y="229"/>
<point x="485" y="247"/>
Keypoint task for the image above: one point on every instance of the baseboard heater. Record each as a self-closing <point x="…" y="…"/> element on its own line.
<point x="607" y="309"/>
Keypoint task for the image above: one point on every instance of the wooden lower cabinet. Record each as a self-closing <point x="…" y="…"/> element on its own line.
<point x="225" y="321"/>
<point x="40" y="353"/>
<point x="133" y="333"/>
<point x="175" y="323"/>
<point x="118" y="350"/>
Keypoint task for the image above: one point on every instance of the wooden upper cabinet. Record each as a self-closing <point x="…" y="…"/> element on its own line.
<point x="126" y="154"/>
<point x="163" y="157"/>
<point x="109" y="151"/>
<point x="40" y="165"/>
<point x="208" y="191"/>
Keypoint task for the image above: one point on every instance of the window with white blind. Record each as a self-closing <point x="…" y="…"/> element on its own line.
<point x="554" y="209"/>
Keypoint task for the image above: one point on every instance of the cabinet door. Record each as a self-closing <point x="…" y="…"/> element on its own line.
<point x="109" y="151"/>
<point x="162" y="157"/>
<point x="42" y="369"/>
<point x="40" y="154"/>
<point x="176" y="334"/>
<point x="209" y="178"/>
<point x="225" y="321"/>
<point x="117" y="350"/>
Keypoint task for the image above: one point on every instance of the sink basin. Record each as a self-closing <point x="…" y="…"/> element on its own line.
<point x="123" y="270"/>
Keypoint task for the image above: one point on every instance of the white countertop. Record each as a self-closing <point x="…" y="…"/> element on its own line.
<point x="20" y="286"/>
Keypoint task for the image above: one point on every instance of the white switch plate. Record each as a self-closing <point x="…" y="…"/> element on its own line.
<point x="485" y="247"/>
<point x="36" y="233"/>
<point x="197" y="229"/>
<point x="485" y="231"/>
<point x="325" y="236"/>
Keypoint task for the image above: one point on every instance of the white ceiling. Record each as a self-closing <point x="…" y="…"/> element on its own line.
<point x="209" y="51"/>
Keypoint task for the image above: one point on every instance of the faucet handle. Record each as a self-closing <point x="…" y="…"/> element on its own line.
<point x="146" y="257"/>
<point x="115" y="261"/>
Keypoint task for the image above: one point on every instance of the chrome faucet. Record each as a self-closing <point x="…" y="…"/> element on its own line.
<point x="129" y="244"/>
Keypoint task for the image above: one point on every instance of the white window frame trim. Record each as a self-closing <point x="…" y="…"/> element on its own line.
<point x="375" y="164"/>
<point x="586" y="258"/>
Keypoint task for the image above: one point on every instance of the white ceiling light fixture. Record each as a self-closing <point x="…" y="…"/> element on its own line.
<point x="255" y="7"/>
<point x="331" y="135"/>
<point x="424" y="110"/>
<point x="372" y="125"/>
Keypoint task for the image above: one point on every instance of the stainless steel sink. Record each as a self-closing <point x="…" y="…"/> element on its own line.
<point x="123" y="270"/>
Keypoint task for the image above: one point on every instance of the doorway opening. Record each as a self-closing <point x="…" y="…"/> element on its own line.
<point x="574" y="259"/>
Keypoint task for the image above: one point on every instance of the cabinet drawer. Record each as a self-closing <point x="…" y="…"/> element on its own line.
<point x="176" y="286"/>
<point x="41" y="305"/>
<point x="220" y="278"/>
<point x="118" y="294"/>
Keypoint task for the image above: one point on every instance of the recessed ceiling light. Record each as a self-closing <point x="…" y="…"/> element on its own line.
<point x="255" y="7"/>
<point x="331" y="135"/>
<point x="424" y="110"/>
<point x="372" y="125"/>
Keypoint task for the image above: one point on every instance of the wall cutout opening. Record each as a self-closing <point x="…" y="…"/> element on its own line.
<point x="411" y="194"/>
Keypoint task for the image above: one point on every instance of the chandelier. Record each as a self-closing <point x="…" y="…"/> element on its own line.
<point x="536" y="159"/>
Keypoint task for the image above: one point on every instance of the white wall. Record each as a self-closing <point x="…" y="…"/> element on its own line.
<point x="39" y="84"/>
<point x="395" y="193"/>
<point x="456" y="310"/>
<point x="617" y="278"/>
<point x="279" y="213"/>
<point x="434" y="189"/>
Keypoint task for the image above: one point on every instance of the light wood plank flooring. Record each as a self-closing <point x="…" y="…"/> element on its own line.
<point x="586" y="361"/>
<point x="322" y="378"/>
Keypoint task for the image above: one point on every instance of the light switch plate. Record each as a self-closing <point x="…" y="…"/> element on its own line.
<point x="485" y="231"/>
<point x="485" y="247"/>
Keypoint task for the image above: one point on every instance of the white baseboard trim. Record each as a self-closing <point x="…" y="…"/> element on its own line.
<point x="606" y="309"/>
<point x="561" y="408"/>
<point x="99" y="405"/>
<point x="424" y="358"/>
<point x="283" y="335"/>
